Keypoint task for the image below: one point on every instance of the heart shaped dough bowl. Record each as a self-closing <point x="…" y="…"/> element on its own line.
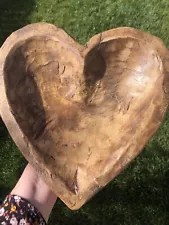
<point x="81" y="114"/>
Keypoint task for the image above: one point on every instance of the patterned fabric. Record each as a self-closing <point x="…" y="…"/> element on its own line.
<point x="18" y="211"/>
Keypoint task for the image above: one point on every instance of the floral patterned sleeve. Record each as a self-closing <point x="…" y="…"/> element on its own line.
<point x="18" y="211"/>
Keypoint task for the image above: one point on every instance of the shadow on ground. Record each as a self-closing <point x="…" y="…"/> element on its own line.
<point x="12" y="164"/>
<point x="14" y="15"/>
<point x="3" y="130"/>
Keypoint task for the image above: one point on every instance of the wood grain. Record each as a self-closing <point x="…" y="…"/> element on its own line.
<point x="80" y="114"/>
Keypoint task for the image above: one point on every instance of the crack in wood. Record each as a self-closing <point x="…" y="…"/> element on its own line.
<point x="75" y="182"/>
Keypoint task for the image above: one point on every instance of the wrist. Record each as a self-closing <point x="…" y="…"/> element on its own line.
<point x="32" y="187"/>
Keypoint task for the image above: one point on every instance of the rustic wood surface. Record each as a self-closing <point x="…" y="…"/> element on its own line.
<point x="80" y="114"/>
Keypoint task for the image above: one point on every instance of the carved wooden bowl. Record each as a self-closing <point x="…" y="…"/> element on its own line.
<point x="81" y="114"/>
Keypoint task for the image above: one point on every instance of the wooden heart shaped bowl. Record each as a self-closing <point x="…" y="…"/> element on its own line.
<point x="81" y="114"/>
